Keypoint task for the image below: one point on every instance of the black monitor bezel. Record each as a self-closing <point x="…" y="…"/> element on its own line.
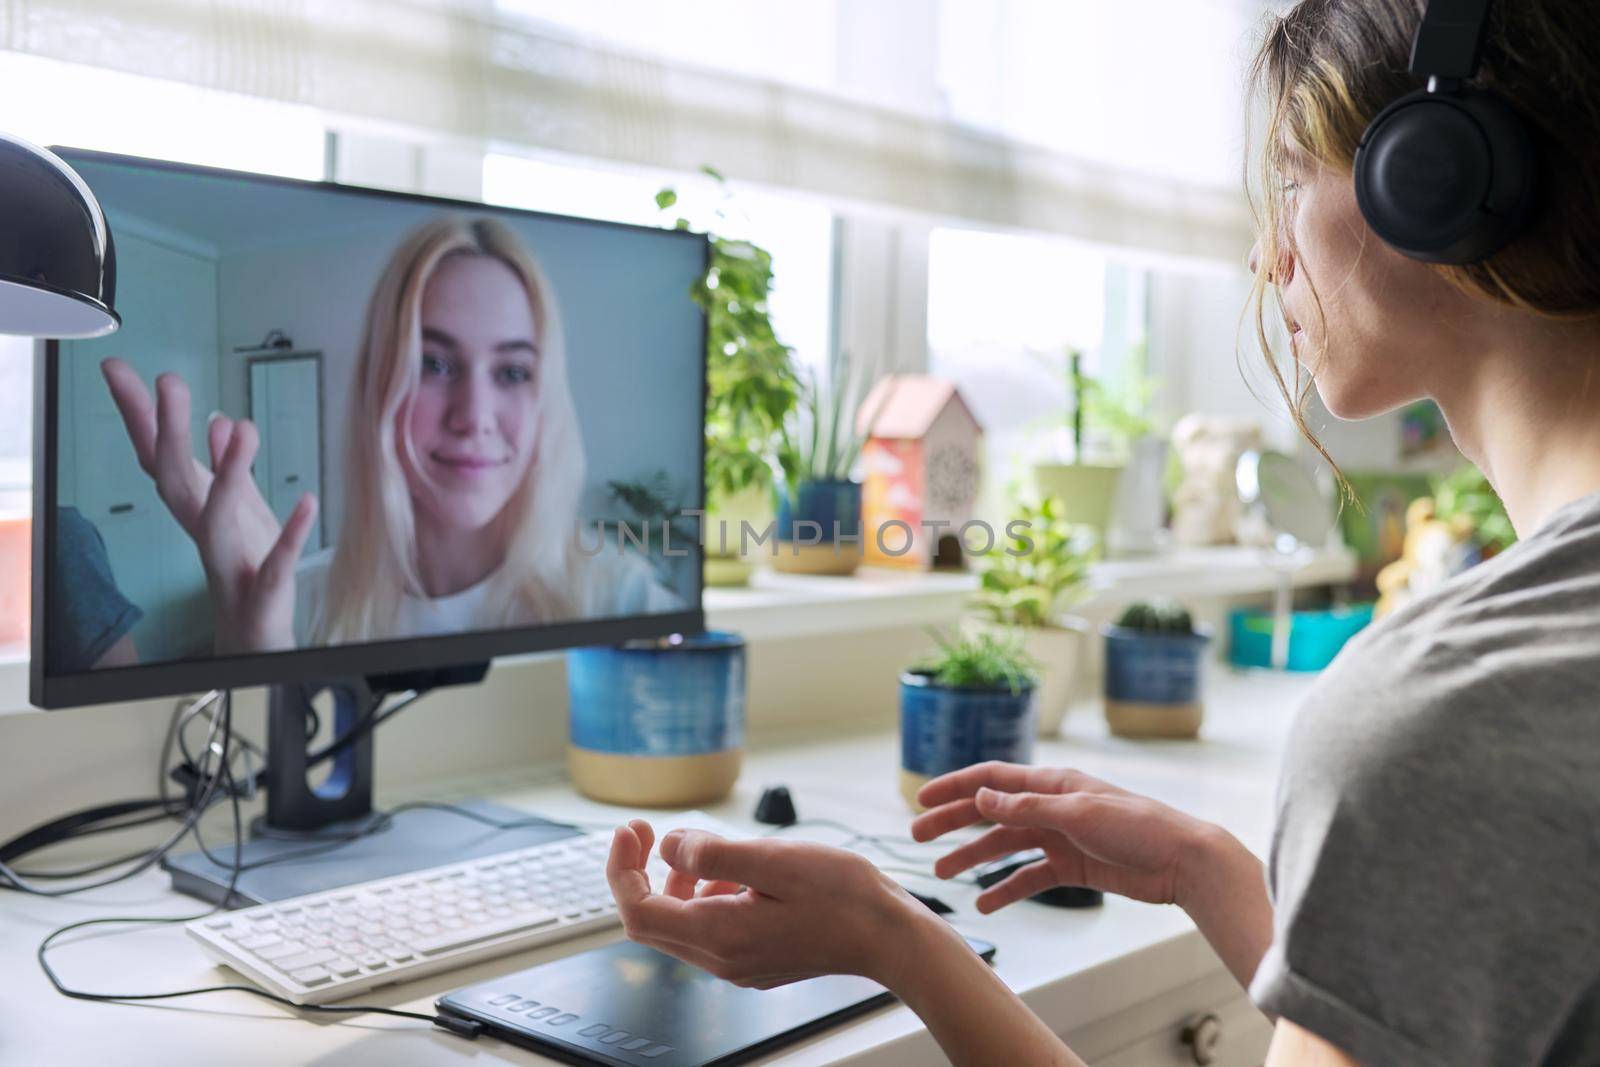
<point x="145" y="681"/>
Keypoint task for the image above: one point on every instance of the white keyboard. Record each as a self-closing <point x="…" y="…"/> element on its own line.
<point x="334" y="944"/>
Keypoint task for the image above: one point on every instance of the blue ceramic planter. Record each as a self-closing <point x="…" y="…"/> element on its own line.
<point x="1151" y="668"/>
<point x="658" y="723"/>
<point x="831" y="505"/>
<point x="652" y="698"/>
<point x="944" y="729"/>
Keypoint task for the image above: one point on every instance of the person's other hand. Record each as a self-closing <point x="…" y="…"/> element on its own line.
<point x="248" y="557"/>
<point x="1093" y="834"/>
<point x="764" y="913"/>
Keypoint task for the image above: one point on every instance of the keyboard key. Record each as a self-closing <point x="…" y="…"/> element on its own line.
<point x="291" y="964"/>
<point x="312" y="977"/>
<point x="449" y="939"/>
<point x="344" y="967"/>
<point x="281" y="950"/>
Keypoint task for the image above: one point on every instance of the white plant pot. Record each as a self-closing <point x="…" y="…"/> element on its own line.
<point x="1058" y="650"/>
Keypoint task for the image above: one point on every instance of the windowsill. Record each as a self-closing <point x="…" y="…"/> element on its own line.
<point x="783" y="606"/>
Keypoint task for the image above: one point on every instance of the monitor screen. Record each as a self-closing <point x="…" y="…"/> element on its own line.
<point x="348" y="432"/>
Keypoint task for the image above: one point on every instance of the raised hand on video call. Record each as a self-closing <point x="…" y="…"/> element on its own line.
<point x="248" y="556"/>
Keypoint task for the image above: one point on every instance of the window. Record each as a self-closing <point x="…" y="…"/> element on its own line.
<point x="1079" y="76"/>
<point x="1003" y="310"/>
<point x="797" y="233"/>
<point x="85" y="107"/>
<point x="797" y="44"/>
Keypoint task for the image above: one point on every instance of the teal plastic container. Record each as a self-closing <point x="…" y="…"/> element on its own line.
<point x="1315" y="637"/>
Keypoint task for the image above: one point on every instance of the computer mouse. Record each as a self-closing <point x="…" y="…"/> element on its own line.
<point x="1059" y="896"/>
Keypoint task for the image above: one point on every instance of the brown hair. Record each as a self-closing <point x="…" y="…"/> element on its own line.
<point x="1327" y="67"/>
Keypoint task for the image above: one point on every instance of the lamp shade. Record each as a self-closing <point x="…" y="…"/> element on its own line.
<point x="58" y="268"/>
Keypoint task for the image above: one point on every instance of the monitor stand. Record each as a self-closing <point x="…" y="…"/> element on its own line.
<point x="317" y="837"/>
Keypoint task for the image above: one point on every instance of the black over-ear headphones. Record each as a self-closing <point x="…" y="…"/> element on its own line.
<point x="1446" y="174"/>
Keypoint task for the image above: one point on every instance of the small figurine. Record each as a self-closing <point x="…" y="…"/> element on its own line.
<point x="1205" y="507"/>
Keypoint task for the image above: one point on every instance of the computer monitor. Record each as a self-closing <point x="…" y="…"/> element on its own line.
<point x="347" y="436"/>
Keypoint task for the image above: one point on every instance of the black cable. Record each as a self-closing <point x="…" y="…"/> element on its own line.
<point x="461" y="1027"/>
<point x="141" y="861"/>
<point x="76" y="824"/>
<point x="81" y="824"/>
<point x="95" y="868"/>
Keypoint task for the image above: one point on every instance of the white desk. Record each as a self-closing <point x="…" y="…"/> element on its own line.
<point x="1115" y="980"/>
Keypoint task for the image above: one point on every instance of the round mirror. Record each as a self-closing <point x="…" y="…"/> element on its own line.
<point x="1286" y="495"/>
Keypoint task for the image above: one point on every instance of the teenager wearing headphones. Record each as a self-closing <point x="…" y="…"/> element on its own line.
<point x="1432" y="229"/>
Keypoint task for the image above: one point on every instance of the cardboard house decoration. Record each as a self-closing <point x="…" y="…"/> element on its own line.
<point x="921" y="466"/>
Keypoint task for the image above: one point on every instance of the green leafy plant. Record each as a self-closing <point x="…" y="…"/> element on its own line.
<point x="1047" y="570"/>
<point x="1120" y="414"/>
<point x="653" y="505"/>
<point x="1467" y="492"/>
<point x="1103" y="418"/>
<point x="979" y="661"/>
<point x="822" y="439"/>
<point x="1157" y="617"/>
<point x="752" y="386"/>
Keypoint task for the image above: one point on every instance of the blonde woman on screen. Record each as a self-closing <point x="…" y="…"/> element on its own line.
<point x="463" y="469"/>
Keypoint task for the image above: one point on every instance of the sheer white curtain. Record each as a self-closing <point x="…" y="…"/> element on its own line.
<point x="509" y="74"/>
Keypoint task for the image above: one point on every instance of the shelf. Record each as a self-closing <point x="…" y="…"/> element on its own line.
<point x="782" y="606"/>
<point x="777" y="606"/>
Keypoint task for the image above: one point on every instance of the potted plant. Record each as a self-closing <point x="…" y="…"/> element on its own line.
<point x="1023" y="590"/>
<point x="1128" y="436"/>
<point x="752" y="388"/>
<point x="1087" y="490"/>
<point x="657" y="722"/>
<point x="970" y="701"/>
<point x="657" y="524"/>
<point x="1154" y="655"/>
<point x="819" y="502"/>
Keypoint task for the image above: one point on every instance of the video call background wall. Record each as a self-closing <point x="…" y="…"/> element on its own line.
<point x="208" y="264"/>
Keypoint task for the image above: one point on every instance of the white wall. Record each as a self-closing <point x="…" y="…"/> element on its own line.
<point x="315" y="291"/>
<point x="1205" y="355"/>
<point x="515" y="722"/>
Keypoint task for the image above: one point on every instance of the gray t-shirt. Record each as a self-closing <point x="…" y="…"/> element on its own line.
<point x="1436" y="864"/>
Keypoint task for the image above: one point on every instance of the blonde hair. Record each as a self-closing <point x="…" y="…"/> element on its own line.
<point x="375" y="564"/>
<point x="1327" y="67"/>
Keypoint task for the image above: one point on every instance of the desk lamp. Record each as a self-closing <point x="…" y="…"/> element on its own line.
<point x="58" y="266"/>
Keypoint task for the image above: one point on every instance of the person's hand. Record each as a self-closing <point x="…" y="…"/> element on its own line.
<point x="764" y="913"/>
<point x="1093" y="834"/>
<point x="248" y="558"/>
